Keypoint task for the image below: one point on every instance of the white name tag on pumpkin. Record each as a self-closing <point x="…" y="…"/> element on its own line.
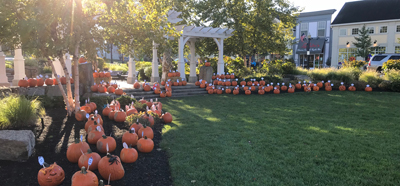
<point x="81" y="137"/>
<point x="107" y="147"/>
<point x="125" y="145"/>
<point x="90" y="161"/>
<point x="41" y="160"/>
<point x="87" y="116"/>
<point x="98" y="128"/>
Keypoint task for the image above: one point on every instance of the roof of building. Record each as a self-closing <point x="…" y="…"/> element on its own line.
<point x="368" y="10"/>
<point x="317" y="13"/>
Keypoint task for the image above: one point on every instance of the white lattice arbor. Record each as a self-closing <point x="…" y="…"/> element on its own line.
<point x="190" y="34"/>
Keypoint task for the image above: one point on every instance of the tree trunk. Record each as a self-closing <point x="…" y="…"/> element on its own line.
<point x="76" y="78"/>
<point x="59" y="84"/>
<point x="69" y="91"/>
<point x="166" y="64"/>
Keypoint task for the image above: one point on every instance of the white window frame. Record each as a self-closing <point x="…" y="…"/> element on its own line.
<point x="380" y="30"/>
<point x="398" y="28"/>
<point x="345" y="32"/>
<point x="352" y="33"/>
<point x="373" y="30"/>
<point x="397" y="49"/>
<point x="303" y="29"/>
<point x="321" y="25"/>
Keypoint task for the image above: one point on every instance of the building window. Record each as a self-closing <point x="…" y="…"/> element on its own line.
<point x="304" y="29"/>
<point x="346" y="53"/>
<point x="354" y="31"/>
<point x="343" y="32"/>
<point x="321" y="28"/>
<point x="371" y="30"/>
<point x="398" y="28"/>
<point x="397" y="49"/>
<point x="383" y="29"/>
<point x="378" y="50"/>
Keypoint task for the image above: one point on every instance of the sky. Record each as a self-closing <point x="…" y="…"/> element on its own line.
<point x="316" y="5"/>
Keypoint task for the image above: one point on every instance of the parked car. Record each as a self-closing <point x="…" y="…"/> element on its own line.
<point x="376" y="62"/>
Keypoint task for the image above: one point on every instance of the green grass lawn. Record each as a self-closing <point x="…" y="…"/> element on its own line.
<point x="318" y="138"/>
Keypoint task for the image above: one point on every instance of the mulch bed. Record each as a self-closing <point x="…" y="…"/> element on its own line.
<point x="58" y="131"/>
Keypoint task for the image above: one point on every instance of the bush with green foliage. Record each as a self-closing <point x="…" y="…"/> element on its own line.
<point x="235" y="66"/>
<point x="142" y="75"/>
<point x="278" y="67"/>
<point x="9" y="64"/>
<point x="267" y="78"/>
<point x="125" y="100"/>
<point x="392" y="75"/>
<point x="117" y="67"/>
<point x="18" y="112"/>
<point x="100" y="63"/>
<point x="49" y="102"/>
<point x="371" y="78"/>
<point x="300" y="71"/>
<point x="320" y="74"/>
<point x="31" y="62"/>
<point x="391" y="65"/>
<point x="140" y="107"/>
<point x="354" y="63"/>
<point x="47" y="70"/>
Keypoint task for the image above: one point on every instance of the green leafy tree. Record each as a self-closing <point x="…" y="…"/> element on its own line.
<point x="363" y="43"/>
<point x="260" y="25"/>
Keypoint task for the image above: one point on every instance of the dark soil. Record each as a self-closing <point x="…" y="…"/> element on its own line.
<point x="58" y="131"/>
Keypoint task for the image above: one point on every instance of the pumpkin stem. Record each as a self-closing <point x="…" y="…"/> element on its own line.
<point x="89" y="151"/>
<point x="104" y="137"/>
<point x="83" y="170"/>
<point x="108" y="155"/>
<point x="46" y="164"/>
<point x="101" y="183"/>
<point x="77" y="140"/>
<point x="95" y="123"/>
<point x="145" y="137"/>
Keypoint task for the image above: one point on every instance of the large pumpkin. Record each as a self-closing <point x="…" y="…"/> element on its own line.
<point x="291" y="90"/>
<point x="167" y="117"/>
<point x="119" y="116"/>
<point x="94" y="88"/>
<point x="51" y="175"/>
<point x="236" y="92"/>
<point x="267" y="89"/>
<point x="106" y="111"/>
<point x="146" y="131"/>
<point x="80" y="115"/>
<point x="128" y="155"/>
<point x="368" y="89"/>
<point x="328" y="88"/>
<point x="315" y="88"/>
<point x="147" y="88"/>
<point x="352" y="88"/>
<point x="32" y="82"/>
<point x="102" y="144"/>
<point x="40" y="82"/>
<point x="111" y="166"/>
<point x="228" y="90"/>
<point x="136" y="126"/>
<point x="95" y="135"/>
<point x="111" y="115"/>
<point x="276" y="91"/>
<point x="342" y="88"/>
<point x="298" y="86"/>
<point x="261" y="92"/>
<point x="93" y="126"/>
<point x="84" y="159"/>
<point x="49" y="82"/>
<point x="247" y="92"/>
<point x="130" y="137"/>
<point x="75" y="150"/>
<point x="84" y="177"/>
<point x="145" y="145"/>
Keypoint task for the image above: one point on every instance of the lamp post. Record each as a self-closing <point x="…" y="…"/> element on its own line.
<point x="308" y="51"/>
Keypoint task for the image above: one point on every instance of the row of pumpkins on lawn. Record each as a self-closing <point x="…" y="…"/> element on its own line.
<point x="104" y="87"/>
<point x="157" y="87"/>
<point x="263" y="88"/>
<point x="223" y="76"/>
<point x="39" y="81"/>
<point x="101" y="74"/>
<point x="110" y="166"/>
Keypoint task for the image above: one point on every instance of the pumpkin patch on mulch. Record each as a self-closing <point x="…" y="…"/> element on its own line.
<point x="54" y="137"/>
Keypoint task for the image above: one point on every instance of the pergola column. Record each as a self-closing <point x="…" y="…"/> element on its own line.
<point x="131" y="70"/>
<point x="155" y="77"/>
<point x="192" y="76"/>
<point x="3" y="77"/>
<point x="19" y="67"/>
<point x="220" y="44"/>
<point x="181" y="61"/>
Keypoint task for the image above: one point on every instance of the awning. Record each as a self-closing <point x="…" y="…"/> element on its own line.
<point x="316" y="46"/>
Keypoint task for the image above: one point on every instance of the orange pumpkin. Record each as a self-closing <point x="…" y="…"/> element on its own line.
<point x="129" y="155"/>
<point x="101" y="74"/>
<point x="249" y="83"/>
<point x="111" y="89"/>
<point x="86" y="108"/>
<point x="267" y="89"/>
<point x="162" y="95"/>
<point x="101" y="144"/>
<point x="291" y="90"/>
<point x="49" y="82"/>
<point x="228" y="83"/>
<point x="32" y="82"/>
<point x="130" y="137"/>
<point x="146" y="131"/>
<point x="208" y="64"/>
<point x="23" y="83"/>
<point x="247" y="92"/>
<point x="228" y="90"/>
<point x="315" y="88"/>
<point x="168" y="94"/>
<point x="119" y="116"/>
<point x="82" y="60"/>
<point x="368" y="89"/>
<point x="75" y="150"/>
<point x="145" y="145"/>
<point x="97" y="118"/>
<point x="119" y="92"/>
<point x="234" y="83"/>
<point x="83" y="160"/>
<point x="63" y="80"/>
<point x="298" y="86"/>
<point x="328" y="88"/>
<point x="261" y="92"/>
<point x="284" y="88"/>
<point x="167" y="117"/>
<point x="111" y="115"/>
<point x="131" y="111"/>
<point x="80" y="115"/>
<point x="352" y="88"/>
<point x="93" y="126"/>
<point x="147" y="88"/>
<point x="277" y="91"/>
<point x="111" y="166"/>
<point x="227" y="76"/>
<point x="253" y="88"/>
<point x="102" y="89"/>
<point x="222" y="76"/>
<point x="40" y="82"/>
<point x="95" y="74"/>
<point x="210" y="91"/>
<point x="51" y="175"/>
<point x="84" y="177"/>
<point x="55" y="82"/>
<point x="106" y="111"/>
<point x="320" y="84"/>
<point x="256" y="83"/>
<point x="94" y="135"/>
<point x="137" y="126"/>
<point x="342" y="88"/>
<point x="236" y="92"/>
<point x="93" y="88"/>
<point x="243" y="83"/>
<point x="71" y="81"/>
<point x="262" y="83"/>
<point x="107" y="74"/>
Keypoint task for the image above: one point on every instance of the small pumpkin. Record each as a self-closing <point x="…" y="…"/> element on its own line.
<point x="147" y="88"/>
<point x="107" y="74"/>
<point x="106" y="111"/>
<point x="261" y="92"/>
<point x="111" y="89"/>
<point x="136" y="85"/>
<point x="83" y="160"/>
<point x="63" y="80"/>
<point x="210" y="91"/>
<point x="40" y="82"/>
<point x="368" y="89"/>
<point x="298" y="86"/>
<point x="328" y="88"/>
<point x="136" y="126"/>
<point x="163" y="83"/>
<point x="84" y="177"/>
<point x="227" y="76"/>
<point x="235" y="91"/>
<point x="267" y="89"/>
<point x="162" y="95"/>
<point x="23" y="83"/>
<point x="291" y="89"/>
<point x="101" y="144"/>
<point x="32" y="82"/>
<point x="146" y="131"/>
<point x="49" y="82"/>
<point x="256" y="83"/>
<point x="320" y="84"/>
<point x="276" y="91"/>
<point x="262" y="82"/>
<point x="120" y="116"/>
<point x="228" y="90"/>
<point x="219" y="91"/>
<point x="94" y="88"/>
<point x="167" y="117"/>
<point x="243" y="83"/>
<point x="95" y="74"/>
<point x="207" y="64"/>
<point x="82" y="60"/>
<point x="168" y="94"/>
<point x="95" y="135"/>
<point x="101" y="74"/>
<point x="50" y="175"/>
<point x="247" y="92"/>
<point x="111" y="166"/>
<point x="129" y="155"/>
<point x="55" y="82"/>
<point x="86" y="108"/>
<point x="253" y="88"/>
<point x="119" y="92"/>
<point x="284" y="88"/>
<point x="228" y="83"/>
<point x="352" y="88"/>
<point x="102" y="89"/>
<point x="222" y="76"/>
<point x="80" y="115"/>
<point x="234" y="83"/>
<point x="249" y="83"/>
<point x="145" y="145"/>
<point x="246" y="88"/>
<point x="342" y="87"/>
<point x="130" y="137"/>
<point x="315" y="88"/>
<point x="131" y="111"/>
<point x="75" y="150"/>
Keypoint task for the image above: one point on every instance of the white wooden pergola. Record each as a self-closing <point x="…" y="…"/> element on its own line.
<point x="189" y="35"/>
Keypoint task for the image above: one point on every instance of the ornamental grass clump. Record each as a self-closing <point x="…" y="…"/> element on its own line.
<point x="371" y="77"/>
<point x="19" y="112"/>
